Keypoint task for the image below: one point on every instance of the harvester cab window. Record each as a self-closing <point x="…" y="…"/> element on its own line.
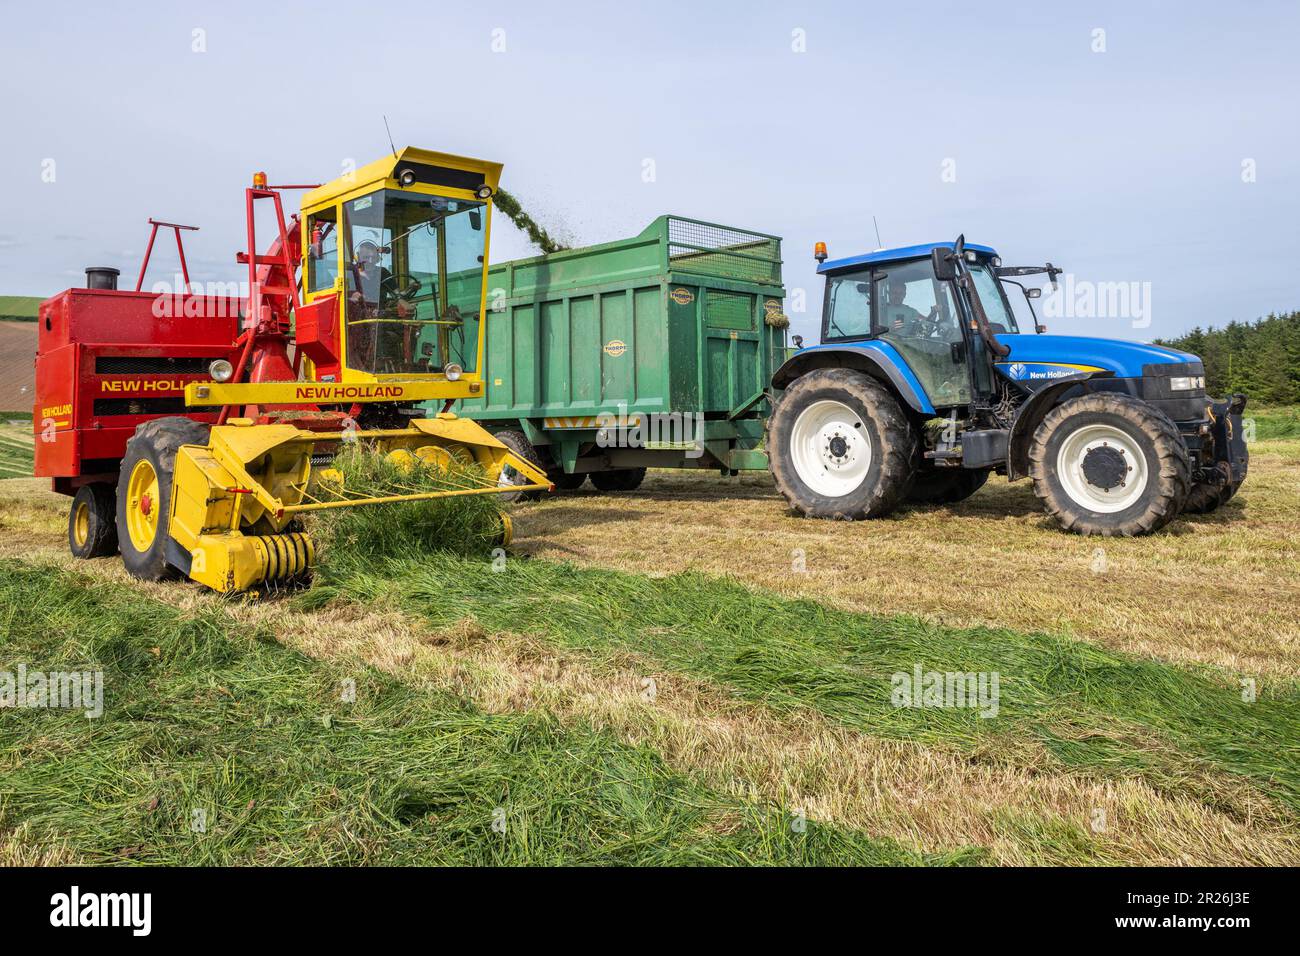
<point x="322" y="251"/>
<point x="414" y="267"/>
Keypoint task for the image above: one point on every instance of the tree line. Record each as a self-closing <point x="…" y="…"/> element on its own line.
<point x="1260" y="358"/>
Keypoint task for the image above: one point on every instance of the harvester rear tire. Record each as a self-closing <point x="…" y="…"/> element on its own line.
<point x="946" y="487"/>
<point x="153" y="449"/>
<point x="847" y="434"/>
<point x="518" y="443"/>
<point x="620" y="479"/>
<point x="92" y="530"/>
<point x="1107" y="437"/>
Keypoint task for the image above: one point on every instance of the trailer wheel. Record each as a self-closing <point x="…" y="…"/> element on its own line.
<point x="620" y="479"/>
<point x="840" y="446"/>
<point x="566" y="482"/>
<point x="1109" y="464"/>
<point x="518" y="443"/>
<point x="946" y="487"/>
<point x="92" y="530"/>
<point x="144" y="493"/>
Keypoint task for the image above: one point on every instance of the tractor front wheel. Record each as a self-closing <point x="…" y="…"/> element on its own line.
<point x="92" y="532"/>
<point x="144" y="493"/>
<point x="839" y="446"/>
<point x="1109" y="464"/>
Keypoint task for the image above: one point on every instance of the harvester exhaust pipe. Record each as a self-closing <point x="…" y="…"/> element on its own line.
<point x="102" y="277"/>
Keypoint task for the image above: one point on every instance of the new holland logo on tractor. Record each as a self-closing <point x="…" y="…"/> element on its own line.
<point x="1118" y="437"/>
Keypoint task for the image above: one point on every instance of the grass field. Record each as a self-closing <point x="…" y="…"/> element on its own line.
<point x="681" y="674"/>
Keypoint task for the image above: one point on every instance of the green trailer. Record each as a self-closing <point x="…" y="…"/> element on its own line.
<point x="655" y="351"/>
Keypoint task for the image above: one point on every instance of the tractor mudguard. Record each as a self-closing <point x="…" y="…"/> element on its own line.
<point x="1031" y="414"/>
<point x="878" y="359"/>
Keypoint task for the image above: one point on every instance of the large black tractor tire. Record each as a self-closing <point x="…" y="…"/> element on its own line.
<point x="1206" y="497"/>
<point x="947" y="486"/>
<point x="620" y="479"/>
<point x="840" y="446"/>
<point x="92" y="530"/>
<point x="144" y="493"/>
<point x="1109" y="464"/>
<point x="518" y="442"/>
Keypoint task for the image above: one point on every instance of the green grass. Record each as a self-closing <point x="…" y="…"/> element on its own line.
<point x="16" y="455"/>
<point x="1275" y="423"/>
<point x="201" y="713"/>
<point x="1063" y="702"/>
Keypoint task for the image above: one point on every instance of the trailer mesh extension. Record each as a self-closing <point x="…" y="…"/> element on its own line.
<point x="722" y="251"/>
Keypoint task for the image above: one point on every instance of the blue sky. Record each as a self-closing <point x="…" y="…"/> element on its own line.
<point x="1124" y="165"/>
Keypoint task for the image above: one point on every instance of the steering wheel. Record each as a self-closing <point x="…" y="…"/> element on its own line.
<point x="402" y="286"/>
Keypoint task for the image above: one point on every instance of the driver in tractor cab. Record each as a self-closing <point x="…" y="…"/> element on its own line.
<point x="901" y="318"/>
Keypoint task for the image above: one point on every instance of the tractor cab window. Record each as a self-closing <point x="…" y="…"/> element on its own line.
<point x="414" y="275"/>
<point x="848" y="306"/>
<point x="1001" y="318"/>
<point x="322" y="250"/>
<point x="917" y="314"/>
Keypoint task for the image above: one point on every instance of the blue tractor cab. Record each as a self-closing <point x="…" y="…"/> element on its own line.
<point x="924" y="383"/>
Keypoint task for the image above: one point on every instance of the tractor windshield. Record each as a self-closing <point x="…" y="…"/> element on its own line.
<point x="414" y="273"/>
<point x="1001" y="318"/>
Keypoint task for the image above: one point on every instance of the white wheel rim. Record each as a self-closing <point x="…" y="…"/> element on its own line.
<point x="830" y="448"/>
<point x="1070" y="461"/>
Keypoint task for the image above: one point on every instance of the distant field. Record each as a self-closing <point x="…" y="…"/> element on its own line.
<point x="17" y="366"/>
<point x="16" y="444"/>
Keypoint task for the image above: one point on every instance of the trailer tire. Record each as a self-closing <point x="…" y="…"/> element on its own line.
<point x="872" y="442"/>
<point x="620" y="479"/>
<point x="1109" y="464"/>
<point x="92" y="526"/>
<point x="946" y="487"/>
<point x="566" y="482"/>
<point x="144" y="493"/>
<point x="518" y="443"/>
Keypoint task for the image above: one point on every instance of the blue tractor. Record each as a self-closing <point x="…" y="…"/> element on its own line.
<point x="924" y="384"/>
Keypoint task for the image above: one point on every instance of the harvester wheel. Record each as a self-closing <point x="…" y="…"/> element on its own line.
<point x="92" y="532"/>
<point x="144" y="493"/>
<point x="518" y="443"/>
<point x="840" y="446"/>
<point x="947" y="486"/>
<point x="1109" y="464"/>
<point x="619" y="479"/>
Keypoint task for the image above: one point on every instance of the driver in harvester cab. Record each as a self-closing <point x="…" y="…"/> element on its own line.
<point x="377" y="296"/>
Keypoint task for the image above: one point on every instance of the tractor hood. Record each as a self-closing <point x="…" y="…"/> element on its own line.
<point x="1045" y="357"/>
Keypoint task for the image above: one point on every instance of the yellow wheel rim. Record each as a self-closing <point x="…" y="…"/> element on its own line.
<point x="142" y="505"/>
<point x="81" y="524"/>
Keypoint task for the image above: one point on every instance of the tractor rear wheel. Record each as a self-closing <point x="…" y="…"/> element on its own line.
<point x="518" y="443"/>
<point x="620" y="479"/>
<point x="840" y="446"/>
<point x="947" y="486"/>
<point x="144" y="493"/>
<point x="1109" y="464"/>
<point x="92" y="532"/>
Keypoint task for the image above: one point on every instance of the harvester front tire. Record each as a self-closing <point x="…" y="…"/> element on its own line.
<point x="92" y="529"/>
<point x="620" y="479"/>
<point x="518" y="443"/>
<point x="947" y="486"/>
<point x="144" y="493"/>
<point x="840" y="446"/>
<point x="1109" y="464"/>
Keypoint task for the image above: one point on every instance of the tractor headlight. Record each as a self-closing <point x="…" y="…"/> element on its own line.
<point x="1186" y="383"/>
<point x="453" y="372"/>
<point x="221" y="370"/>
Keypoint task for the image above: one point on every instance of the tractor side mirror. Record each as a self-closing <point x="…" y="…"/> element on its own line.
<point x="941" y="261"/>
<point x="476" y="220"/>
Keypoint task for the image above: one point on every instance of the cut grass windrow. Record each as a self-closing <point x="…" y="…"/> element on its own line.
<point x="1184" y="730"/>
<point x="203" y="714"/>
